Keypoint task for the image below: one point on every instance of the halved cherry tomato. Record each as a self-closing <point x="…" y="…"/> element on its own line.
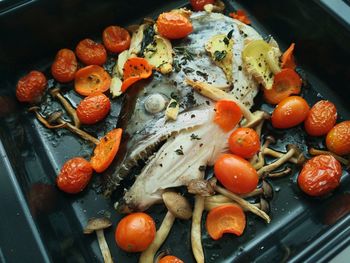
<point x="321" y="118"/>
<point x="290" y="112"/>
<point x="134" y="70"/>
<point x="236" y="174"/>
<point x="288" y="58"/>
<point x="241" y="16"/>
<point x="74" y="176"/>
<point x="31" y="87"/>
<point x="244" y="142"/>
<point x="135" y="232"/>
<point x="91" y="79"/>
<point x="286" y="83"/>
<point x="320" y="175"/>
<point x="170" y="259"/>
<point x="106" y="150"/>
<point x="338" y="138"/>
<point x="198" y="5"/>
<point x="91" y="52"/>
<point x="174" y="25"/>
<point x="116" y="39"/>
<point x="227" y="114"/>
<point x="93" y="108"/>
<point x="225" y="219"/>
<point x="65" y="65"/>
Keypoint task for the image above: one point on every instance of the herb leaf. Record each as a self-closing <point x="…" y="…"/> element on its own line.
<point x="173" y="104"/>
<point x="195" y="137"/>
<point x="229" y="35"/>
<point x="179" y="152"/>
<point x="219" y="55"/>
<point x="187" y="54"/>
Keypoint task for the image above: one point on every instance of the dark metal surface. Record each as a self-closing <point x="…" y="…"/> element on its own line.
<point x="39" y="222"/>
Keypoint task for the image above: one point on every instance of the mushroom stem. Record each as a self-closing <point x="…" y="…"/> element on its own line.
<point x="107" y="257"/>
<point x="209" y="204"/>
<point x="243" y="203"/>
<point x="196" y="241"/>
<point x="279" y="174"/>
<point x="259" y="161"/>
<point x="147" y="256"/>
<point x="273" y="153"/>
<point x="69" y="108"/>
<point x="314" y="151"/>
<point x="43" y="120"/>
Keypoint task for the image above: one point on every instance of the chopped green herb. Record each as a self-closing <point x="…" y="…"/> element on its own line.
<point x="226" y="41"/>
<point x="195" y="137"/>
<point x="187" y="54"/>
<point x="202" y="168"/>
<point x="179" y="152"/>
<point x="229" y="35"/>
<point x="219" y="55"/>
<point x="173" y="104"/>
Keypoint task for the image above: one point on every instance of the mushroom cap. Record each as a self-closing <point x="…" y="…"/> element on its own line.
<point x="264" y="205"/>
<point x="95" y="224"/>
<point x="177" y="205"/>
<point x="54" y="91"/>
<point x="53" y="117"/>
<point x="271" y="139"/>
<point x="267" y="189"/>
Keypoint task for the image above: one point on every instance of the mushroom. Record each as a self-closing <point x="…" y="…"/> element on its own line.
<point x="293" y="151"/>
<point x="178" y="207"/>
<point x="265" y="190"/>
<point x="258" y="161"/>
<point x="40" y="118"/>
<point x="210" y="91"/>
<point x="276" y="154"/>
<point x="279" y="174"/>
<point x="314" y="151"/>
<point x="200" y="187"/>
<point x="196" y="241"/>
<point x="218" y="6"/>
<point x="155" y="103"/>
<point x="69" y="108"/>
<point x="98" y="225"/>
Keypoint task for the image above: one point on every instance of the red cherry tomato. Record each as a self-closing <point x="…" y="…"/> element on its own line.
<point x="338" y="138"/>
<point x="135" y="232"/>
<point x="244" y="142"/>
<point x="170" y="259"/>
<point x="174" y="25"/>
<point x="93" y="108"/>
<point x="75" y="174"/>
<point x="31" y="87"/>
<point x="236" y="174"/>
<point x="321" y="118"/>
<point x="290" y="112"/>
<point x="91" y="53"/>
<point x="116" y="39"/>
<point x="198" y="5"/>
<point x="65" y="65"/>
<point x="320" y="175"/>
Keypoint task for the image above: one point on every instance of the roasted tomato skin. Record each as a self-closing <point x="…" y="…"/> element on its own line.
<point x="75" y="174"/>
<point x="173" y="25"/>
<point x="135" y="232"/>
<point x="290" y="112"/>
<point x="244" y="142"/>
<point x="198" y="5"/>
<point x="64" y="66"/>
<point x="116" y="39"/>
<point x="170" y="259"/>
<point x="320" y="175"/>
<point x="321" y="118"/>
<point x="93" y="108"/>
<point x="338" y="138"/>
<point x="31" y="87"/>
<point x="91" y="52"/>
<point x="236" y="174"/>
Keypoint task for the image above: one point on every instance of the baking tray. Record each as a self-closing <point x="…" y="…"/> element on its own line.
<point x="40" y="223"/>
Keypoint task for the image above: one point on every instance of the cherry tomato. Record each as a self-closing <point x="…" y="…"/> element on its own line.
<point x="170" y="259"/>
<point x="31" y="87"/>
<point x="198" y="5"/>
<point x="135" y="232"/>
<point x="321" y="118"/>
<point x="290" y="112"/>
<point x="320" y="175"/>
<point x="174" y="25"/>
<point x="93" y="108"/>
<point x="236" y="174"/>
<point x="75" y="174"/>
<point x="91" y="79"/>
<point x="65" y="65"/>
<point x="244" y="142"/>
<point x="116" y="39"/>
<point x="91" y="53"/>
<point x="338" y="138"/>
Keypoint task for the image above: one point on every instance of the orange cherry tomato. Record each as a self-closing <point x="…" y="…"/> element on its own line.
<point x="338" y="138"/>
<point x="91" y="79"/>
<point x="170" y="259"/>
<point x="135" y="232"/>
<point x="287" y="60"/>
<point x="65" y="66"/>
<point x="198" y="5"/>
<point x="290" y="112"/>
<point x="241" y="16"/>
<point x="31" y="87"/>
<point x="134" y="70"/>
<point x="174" y="25"/>
<point x="320" y="175"/>
<point x="225" y="219"/>
<point x="91" y="52"/>
<point x="321" y="118"/>
<point x="93" y="108"/>
<point x="106" y="150"/>
<point x="244" y="142"/>
<point x="236" y="174"/>
<point x="75" y="174"/>
<point x="227" y="114"/>
<point x="116" y="39"/>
